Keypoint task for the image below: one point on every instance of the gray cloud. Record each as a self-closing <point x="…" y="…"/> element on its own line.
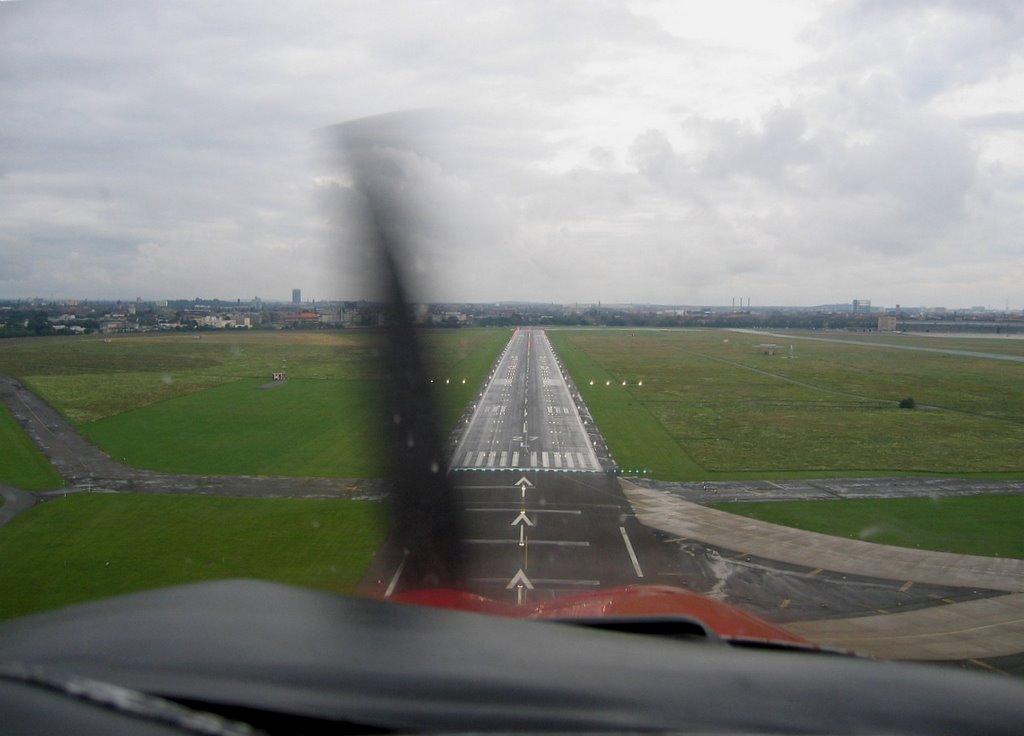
<point x="593" y="150"/>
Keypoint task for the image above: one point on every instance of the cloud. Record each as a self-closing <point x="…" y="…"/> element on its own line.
<point x="640" y="151"/>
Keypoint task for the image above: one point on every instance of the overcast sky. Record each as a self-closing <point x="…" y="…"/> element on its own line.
<point x="667" y="152"/>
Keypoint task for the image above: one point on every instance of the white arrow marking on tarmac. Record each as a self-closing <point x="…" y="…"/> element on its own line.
<point x="519" y="579"/>
<point x="521" y="518"/>
<point x="523" y="483"/>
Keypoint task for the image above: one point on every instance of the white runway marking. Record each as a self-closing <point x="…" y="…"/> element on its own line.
<point x="632" y="554"/>
<point x="533" y="542"/>
<point x="394" y="578"/>
<point x="554" y="582"/>
<point x="513" y="509"/>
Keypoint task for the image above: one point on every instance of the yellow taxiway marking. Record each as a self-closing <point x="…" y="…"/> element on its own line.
<point x="814" y="572"/>
<point x="906" y="586"/>
<point x="785" y="603"/>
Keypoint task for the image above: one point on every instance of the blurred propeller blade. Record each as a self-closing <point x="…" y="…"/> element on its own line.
<point x="424" y="519"/>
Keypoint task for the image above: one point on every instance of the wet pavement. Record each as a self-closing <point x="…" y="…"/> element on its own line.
<point x="965" y="607"/>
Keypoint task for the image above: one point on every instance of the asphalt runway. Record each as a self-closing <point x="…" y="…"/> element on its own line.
<point x="542" y="513"/>
<point x="528" y="416"/>
<point x="536" y="534"/>
<point x="544" y="516"/>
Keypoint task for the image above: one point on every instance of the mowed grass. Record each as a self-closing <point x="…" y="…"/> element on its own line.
<point x="300" y="428"/>
<point x="21" y="463"/>
<point x="177" y="403"/>
<point x="975" y="525"/>
<point x="92" y="546"/>
<point x="713" y="405"/>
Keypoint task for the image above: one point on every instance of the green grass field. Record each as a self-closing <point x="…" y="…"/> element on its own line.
<point x="299" y="428"/>
<point x="21" y="463"/>
<point x="713" y="405"/>
<point x="177" y="403"/>
<point x="946" y="524"/>
<point x="91" y="546"/>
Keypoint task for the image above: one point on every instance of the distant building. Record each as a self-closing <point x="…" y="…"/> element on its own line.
<point x="300" y="319"/>
<point x="296" y="296"/>
<point x="861" y="306"/>
<point x="886" y="324"/>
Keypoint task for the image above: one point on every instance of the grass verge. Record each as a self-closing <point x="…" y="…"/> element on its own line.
<point x="975" y="525"/>
<point x="180" y="404"/>
<point x="717" y="404"/>
<point x="92" y="546"/>
<point x="300" y="428"/>
<point x="21" y="463"/>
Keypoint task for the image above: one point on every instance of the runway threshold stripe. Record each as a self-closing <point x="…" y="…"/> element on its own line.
<point x="555" y="582"/>
<point x="514" y="509"/>
<point x="632" y="554"/>
<point x="533" y="542"/>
